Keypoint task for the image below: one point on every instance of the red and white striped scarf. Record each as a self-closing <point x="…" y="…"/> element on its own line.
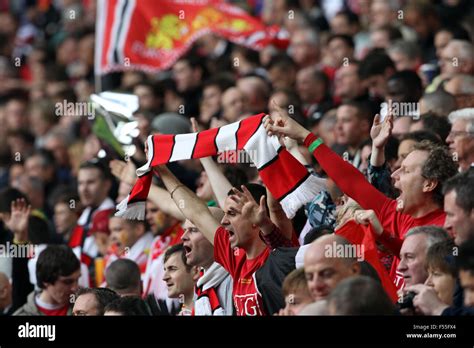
<point x="286" y="178"/>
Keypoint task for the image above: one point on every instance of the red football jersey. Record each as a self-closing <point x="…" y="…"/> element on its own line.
<point x="247" y="299"/>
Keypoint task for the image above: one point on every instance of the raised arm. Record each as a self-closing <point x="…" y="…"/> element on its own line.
<point x="292" y="147"/>
<point x="193" y="208"/>
<point x="346" y="176"/>
<point x="221" y="186"/>
<point x="278" y="216"/>
<point x="17" y="221"/>
<point x="219" y="183"/>
<point x="380" y="133"/>
<point x="164" y="202"/>
<point x="125" y="172"/>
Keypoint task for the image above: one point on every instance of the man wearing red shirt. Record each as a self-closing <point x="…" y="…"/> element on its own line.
<point x="57" y="273"/>
<point x="419" y="179"/>
<point x="237" y="243"/>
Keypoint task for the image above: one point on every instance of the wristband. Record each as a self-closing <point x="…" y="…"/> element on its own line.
<point x="315" y="144"/>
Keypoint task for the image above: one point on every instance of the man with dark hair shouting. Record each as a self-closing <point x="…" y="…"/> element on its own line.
<point x="237" y="243"/>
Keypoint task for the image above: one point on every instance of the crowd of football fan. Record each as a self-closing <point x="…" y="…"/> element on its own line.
<point x="210" y="245"/>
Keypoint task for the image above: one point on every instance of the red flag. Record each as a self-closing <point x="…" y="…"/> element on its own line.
<point x="364" y="235"/>
<point x="150" y="35"/>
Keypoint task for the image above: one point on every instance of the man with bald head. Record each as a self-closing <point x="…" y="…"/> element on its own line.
<point x="214" y="286"/>
<point x="5" y="295"/>
<point x="325" y="270"/>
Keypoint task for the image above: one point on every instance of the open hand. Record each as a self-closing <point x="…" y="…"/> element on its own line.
<point x="381" y="131"/>
<point x="17" y="222"/>
<point x="257" y="214"/>
<point x="124" y="171"/>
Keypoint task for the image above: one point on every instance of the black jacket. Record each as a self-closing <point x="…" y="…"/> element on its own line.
<point x="269" y="278"/>
<point x="458" y="307"/>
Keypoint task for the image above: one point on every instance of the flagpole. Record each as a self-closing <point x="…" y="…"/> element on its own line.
<point x="98" y="45"/>
<point x="97" y="83"/>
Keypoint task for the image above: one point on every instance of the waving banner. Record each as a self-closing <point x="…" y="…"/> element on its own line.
<point x="151" y="35"/>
